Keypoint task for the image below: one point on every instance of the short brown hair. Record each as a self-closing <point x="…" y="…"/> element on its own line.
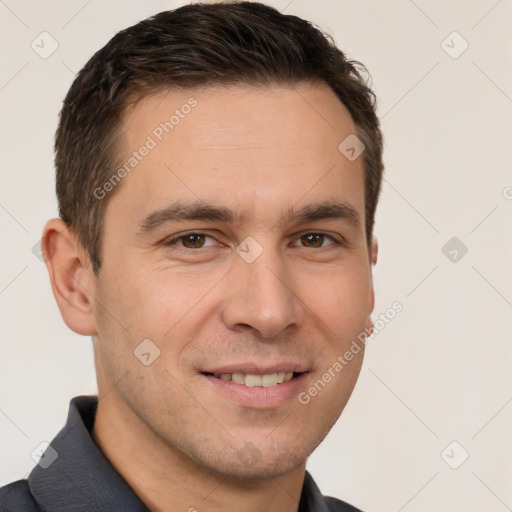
<point x="194" y="46"/>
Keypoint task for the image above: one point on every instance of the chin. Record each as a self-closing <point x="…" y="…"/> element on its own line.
<point x="263" y="470"/>
<point x="251" y="463"/>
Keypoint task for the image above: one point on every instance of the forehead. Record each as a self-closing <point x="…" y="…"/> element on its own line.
<point x="240" y="146"/>
<point x="235" y="112"/>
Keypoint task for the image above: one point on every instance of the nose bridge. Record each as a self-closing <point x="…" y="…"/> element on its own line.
<point x="261" y="293"/>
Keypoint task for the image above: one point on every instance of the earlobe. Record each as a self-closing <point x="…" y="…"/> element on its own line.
<point x="369" y="326"/>
<point x="71" y="276"/>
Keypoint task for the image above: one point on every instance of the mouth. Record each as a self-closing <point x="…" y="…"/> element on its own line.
<point x="255" y="380"/>
<point x="258" y="388"/>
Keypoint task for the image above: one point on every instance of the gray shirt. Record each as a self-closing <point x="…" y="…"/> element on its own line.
<point x="75" y="476"/>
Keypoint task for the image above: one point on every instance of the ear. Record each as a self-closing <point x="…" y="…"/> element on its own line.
<point x="374" y="252"/>
<point x="71" y="276"/>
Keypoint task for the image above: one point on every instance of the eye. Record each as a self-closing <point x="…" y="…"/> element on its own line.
<point x="191" y="241"/>
<point x="317" y="240"/>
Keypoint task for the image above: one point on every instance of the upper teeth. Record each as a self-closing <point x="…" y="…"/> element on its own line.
<point x="271" y="379"/>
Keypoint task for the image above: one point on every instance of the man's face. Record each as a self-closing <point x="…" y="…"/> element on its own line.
<point x="264" y="292"/>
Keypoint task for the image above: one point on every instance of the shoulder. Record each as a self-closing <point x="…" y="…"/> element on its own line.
<point x="335" y="505"/>
<point x="16" y="497"/>
<point x="313" y="500"/>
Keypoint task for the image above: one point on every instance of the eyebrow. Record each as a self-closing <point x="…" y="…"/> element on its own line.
<point x="180" y="212"/>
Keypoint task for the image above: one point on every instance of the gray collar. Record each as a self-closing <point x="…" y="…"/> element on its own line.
<point x="81" y="479"/>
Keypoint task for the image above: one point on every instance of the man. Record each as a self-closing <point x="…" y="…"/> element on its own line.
<point x="218" y="170"/>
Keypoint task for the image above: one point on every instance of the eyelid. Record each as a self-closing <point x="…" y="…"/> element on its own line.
<point x="180" y="236"/>
<point x="336" y="239"/>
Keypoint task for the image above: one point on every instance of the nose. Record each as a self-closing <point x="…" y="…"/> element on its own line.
<point x="261" y="297"/>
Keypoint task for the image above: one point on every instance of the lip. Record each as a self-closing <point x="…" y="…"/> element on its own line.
<point x="256" y="397"/>
<point x="255" y="369"/>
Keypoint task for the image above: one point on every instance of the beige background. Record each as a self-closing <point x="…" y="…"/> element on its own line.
<point x="441" y="370"/>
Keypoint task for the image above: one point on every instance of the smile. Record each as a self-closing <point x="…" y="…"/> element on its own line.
<point x="251" y="380"/>
<point x="256" y="390"/>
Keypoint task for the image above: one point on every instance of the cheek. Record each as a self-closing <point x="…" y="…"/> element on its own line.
<point x="163" y="304"/>
<point x="343" y="299"/>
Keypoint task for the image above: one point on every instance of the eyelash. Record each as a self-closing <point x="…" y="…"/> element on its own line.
<point x="171" y="241"/>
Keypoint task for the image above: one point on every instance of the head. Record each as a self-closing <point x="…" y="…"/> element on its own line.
<point x="206" y="206"/>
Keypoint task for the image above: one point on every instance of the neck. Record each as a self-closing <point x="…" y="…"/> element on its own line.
<point x="166" y="479"/>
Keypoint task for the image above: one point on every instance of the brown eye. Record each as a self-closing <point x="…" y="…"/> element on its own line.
<point x="193" y="241"/>
<point x="313" y="240"/>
